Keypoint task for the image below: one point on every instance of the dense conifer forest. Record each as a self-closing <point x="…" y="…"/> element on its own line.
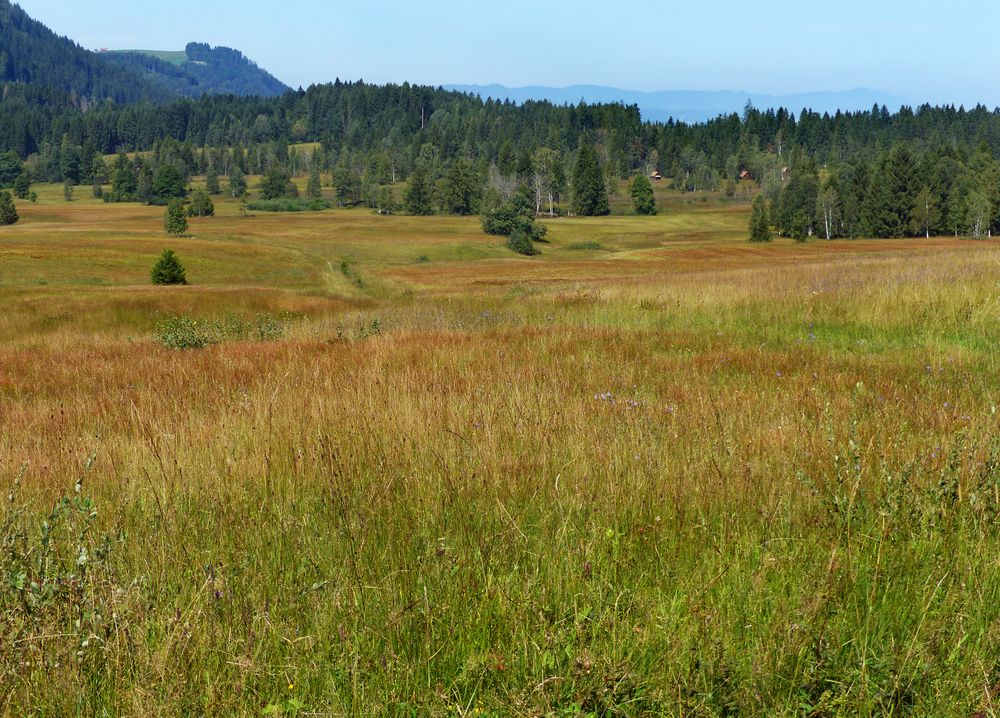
<point x="923" y="171"/>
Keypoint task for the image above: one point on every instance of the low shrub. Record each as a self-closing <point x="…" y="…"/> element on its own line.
<point x="184" y="332"/>
<point x="521" y="243"/>
<point x="590" y="244"/>
<point x="289" y="204"/>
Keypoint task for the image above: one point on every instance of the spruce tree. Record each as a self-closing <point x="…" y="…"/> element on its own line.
<point x="642" y="196"/>
<point x="590" y="197"/>
<point x="8" y="212"/>
<point x="760" y="221"/>
<point x="175" y="221"/>
<point x="168" y="269"/>
<point x="418" y="198"/>
<point x="796" y="208"/>
<point x="460" y="189"/>
<point x="892" y="193"/>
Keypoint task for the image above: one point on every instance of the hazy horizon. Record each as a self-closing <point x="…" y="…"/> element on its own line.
<point x="732" y="48"/>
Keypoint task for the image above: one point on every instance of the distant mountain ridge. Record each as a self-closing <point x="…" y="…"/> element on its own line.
<point x="200" y="70"/>
<point x="691" y="106"/>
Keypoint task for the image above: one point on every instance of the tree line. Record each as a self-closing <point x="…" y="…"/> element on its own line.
<point x="875" y="173"/>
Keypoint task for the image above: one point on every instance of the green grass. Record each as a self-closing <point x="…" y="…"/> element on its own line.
<point x="681" y="475"/>
<point x="174" y="57"/>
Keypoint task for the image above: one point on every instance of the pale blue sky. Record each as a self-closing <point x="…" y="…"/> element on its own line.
<point x="922" y="49"/>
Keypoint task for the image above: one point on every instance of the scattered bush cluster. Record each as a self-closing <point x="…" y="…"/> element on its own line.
<point x="515" y="219"/>
<point x="288" y="204"/>
<point x="185" y="332"/>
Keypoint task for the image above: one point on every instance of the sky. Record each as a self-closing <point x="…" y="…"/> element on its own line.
<point x="923" y="50"/>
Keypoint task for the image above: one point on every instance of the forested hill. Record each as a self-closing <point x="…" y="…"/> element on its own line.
<point x="205" y="71"/>
<point x="32" y="54"/>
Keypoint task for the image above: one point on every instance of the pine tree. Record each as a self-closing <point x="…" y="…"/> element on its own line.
<point x="168" y="269"/>
<point x="68" y="191"/>
<point x="760" y="221"/>
<point x="418" y="198"/>
<point x="8" y="212"/>
<point x="175" y="221"/>
<point x="642" y="195"/>
<point x="590" y="197"/>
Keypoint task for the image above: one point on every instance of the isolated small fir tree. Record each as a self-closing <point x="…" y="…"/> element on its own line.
<point x="760" y="221"/>
<point x="175" y="221"/>
<point x="201" y="204"/>
<point x="212" y="181"/>
<point x="168" y="269"/>
<point x="68" y="191"/>
<point x="22" y="186"/>
<point x="8" y="212"/>
<point x="642" y="196"/>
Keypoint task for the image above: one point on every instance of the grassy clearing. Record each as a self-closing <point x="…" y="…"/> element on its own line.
<point x="678" y="475"/>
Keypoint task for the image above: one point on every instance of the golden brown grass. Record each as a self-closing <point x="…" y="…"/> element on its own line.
<point x="678" y="475"/>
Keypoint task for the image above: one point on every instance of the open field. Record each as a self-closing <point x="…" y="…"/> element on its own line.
<point x="667" y="474"/>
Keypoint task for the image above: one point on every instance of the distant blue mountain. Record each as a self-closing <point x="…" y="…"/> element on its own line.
<point x="691" y="106"/>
